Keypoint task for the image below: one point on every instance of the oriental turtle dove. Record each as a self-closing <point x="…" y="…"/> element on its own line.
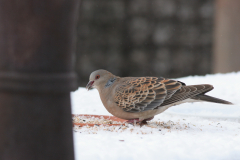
<point x="141" y="98"/>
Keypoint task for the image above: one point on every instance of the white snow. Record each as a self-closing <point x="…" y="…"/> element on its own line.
<point x="200" y="130"/>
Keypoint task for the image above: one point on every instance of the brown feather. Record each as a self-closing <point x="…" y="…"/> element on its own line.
<point x="187" y="92"/>
<point x="147" y="93"/>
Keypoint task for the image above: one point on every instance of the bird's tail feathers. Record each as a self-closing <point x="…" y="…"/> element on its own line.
<point x="210" y="99"/>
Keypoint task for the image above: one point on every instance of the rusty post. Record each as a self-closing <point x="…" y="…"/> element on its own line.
<point x="36" y="77"/>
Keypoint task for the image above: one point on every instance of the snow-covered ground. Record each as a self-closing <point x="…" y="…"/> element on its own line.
<point x="194" y="130"/>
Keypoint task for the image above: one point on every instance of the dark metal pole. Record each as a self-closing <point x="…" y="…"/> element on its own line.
<point x="36" y="77"/>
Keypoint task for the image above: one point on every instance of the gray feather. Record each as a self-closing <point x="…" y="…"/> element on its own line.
<point x="210" y="99"/>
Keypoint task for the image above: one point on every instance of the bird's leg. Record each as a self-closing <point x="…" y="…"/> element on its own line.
<point x="148" y="119"/>
<point x="143" y="122"/>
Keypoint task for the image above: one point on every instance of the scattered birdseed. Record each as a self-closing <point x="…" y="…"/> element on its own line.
<point x="163" y="127"/>
<point x="93" y="120"/>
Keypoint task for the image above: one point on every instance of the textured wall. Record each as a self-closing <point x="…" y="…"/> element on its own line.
<point x="170" y="38"/>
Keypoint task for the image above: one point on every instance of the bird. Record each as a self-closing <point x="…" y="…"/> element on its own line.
<point x="139" y="99"/>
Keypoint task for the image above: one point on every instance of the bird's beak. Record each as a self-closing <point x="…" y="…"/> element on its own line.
<point x="89" y="85"/>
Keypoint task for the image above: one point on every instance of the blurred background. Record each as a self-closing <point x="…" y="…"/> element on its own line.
<point x="169" y="38"/>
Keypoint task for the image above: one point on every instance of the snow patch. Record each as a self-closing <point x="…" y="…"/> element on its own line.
<point x="188" y="131"/>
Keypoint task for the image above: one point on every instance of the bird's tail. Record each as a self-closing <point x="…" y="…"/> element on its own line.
<point x="207" y="98"/>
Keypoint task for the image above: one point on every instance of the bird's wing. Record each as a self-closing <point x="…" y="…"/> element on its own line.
<point x="186" y="92"/>
<point x="144" y="93"/>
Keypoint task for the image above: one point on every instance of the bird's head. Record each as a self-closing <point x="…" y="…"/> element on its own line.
<point x="98" y="79"/>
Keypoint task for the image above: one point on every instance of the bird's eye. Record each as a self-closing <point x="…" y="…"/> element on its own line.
<point x="97" y="77"/>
